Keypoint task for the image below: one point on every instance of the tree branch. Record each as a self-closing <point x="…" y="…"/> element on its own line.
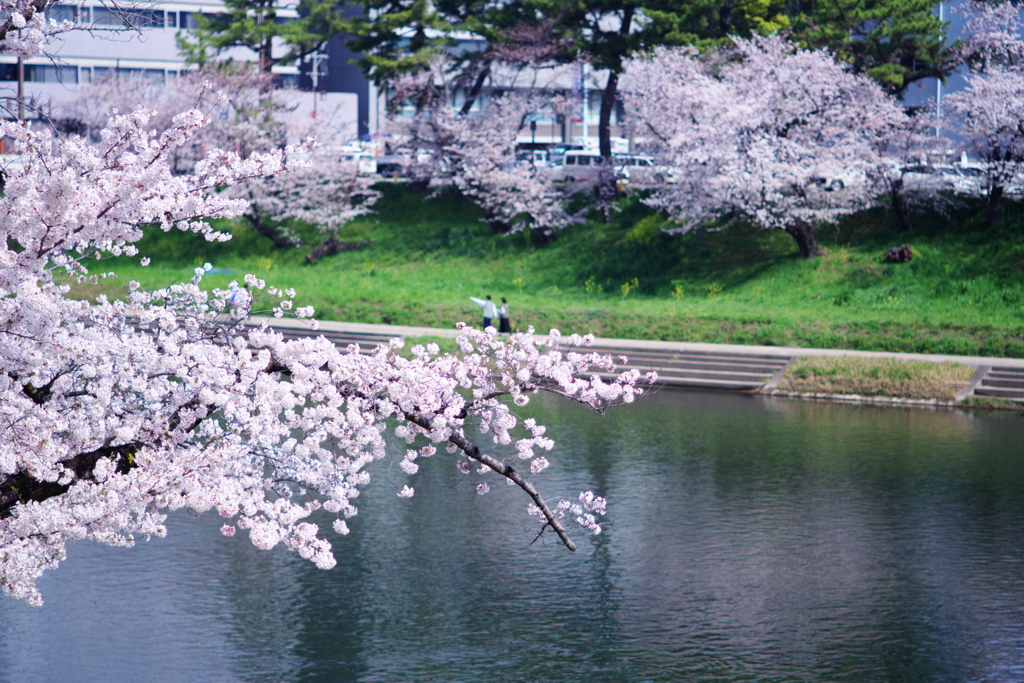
<point x="472" y="451"/>
<point x="23" y="486"/>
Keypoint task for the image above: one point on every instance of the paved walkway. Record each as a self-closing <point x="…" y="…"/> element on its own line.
<point x="699" y="365"/>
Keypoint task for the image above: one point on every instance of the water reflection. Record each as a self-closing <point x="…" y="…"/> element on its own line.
<point x="752" y="539"/>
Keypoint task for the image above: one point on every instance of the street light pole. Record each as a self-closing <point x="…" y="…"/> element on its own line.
<point x="938" y="86"/>
<point x="21" y="86"/>
<point x="21" y="89"/>
<point x="316" y="58"/>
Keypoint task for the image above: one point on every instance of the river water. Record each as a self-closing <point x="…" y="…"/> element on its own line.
<point x="751" y="539"/>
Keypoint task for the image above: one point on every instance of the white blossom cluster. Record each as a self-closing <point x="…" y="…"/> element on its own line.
<point x="24" y="28"/>
<point x="754" y="131"/>
<point x="317" y="190"/>
<point x="116" y="412"/>
<point x="986" y="114"/>
<point x="476" y="151"/>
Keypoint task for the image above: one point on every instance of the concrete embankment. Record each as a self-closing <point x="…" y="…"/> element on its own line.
<point x="725" y="367"/>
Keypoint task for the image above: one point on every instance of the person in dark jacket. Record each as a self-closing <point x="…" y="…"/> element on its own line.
<point x="503" y="322"/>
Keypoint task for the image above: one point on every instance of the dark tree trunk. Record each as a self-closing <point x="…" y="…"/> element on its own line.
<point x="803" y="233"/>
<point x="474" y="92"/>
<point x="497" y="224"/>
<point x="607" y="187"/>
<point x="268" y="231"/>
<point x="331" y="246"/>
<point x="995" y="205"/>
<point x="22" y="487"/>
<point x="604" y="123"/>
<point x="898" y="201"/>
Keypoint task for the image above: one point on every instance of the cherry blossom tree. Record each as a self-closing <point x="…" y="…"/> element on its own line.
<point x="783" y="136"/>
<point x="987" y="114"/>
<point x="24" y="28"/>
<point x="993" y="34"/>
<point x="321" y="191"/>
<point x="89" y="107"/>
<point x="241" y="117"/>
<point x="113" y="413"/>
<point x="475" y="150"/>
<point x="905" y="146"/>
<point x="245" y="118"/>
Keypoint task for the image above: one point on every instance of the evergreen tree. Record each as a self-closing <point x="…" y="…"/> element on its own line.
<point x="258" y="26"/>
<point x="895" y="42"/>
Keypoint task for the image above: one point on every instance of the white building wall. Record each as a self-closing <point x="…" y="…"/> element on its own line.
<point x="93" y="51"/>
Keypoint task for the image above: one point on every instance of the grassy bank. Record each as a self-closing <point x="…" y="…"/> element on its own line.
<point x="851" y="375"/>
<point x="963" y="293"/>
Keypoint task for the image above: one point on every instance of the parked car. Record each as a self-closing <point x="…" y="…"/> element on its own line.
<point x="362" y="163"/>
<point x="838" y="182"/>
<point x="976" y="176"/>
<point x="640" y="169"/>
<point x="973" y="179"/>
<point x="923" y="176"/>
<point x="535" y="157"/>
<point x="585" y="166"/>
<point x="577" y="166"/>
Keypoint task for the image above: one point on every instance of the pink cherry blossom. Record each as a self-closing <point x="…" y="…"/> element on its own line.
<point x="762" y="131"/>
<point x="114" y="413"/>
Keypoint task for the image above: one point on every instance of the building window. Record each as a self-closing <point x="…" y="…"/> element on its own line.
<point x="136" y="18"/>
<point x="41" y="73"/>
<point x="152" y="76"/>
<point x="101" y="16"/>
<point x="190" y="20"/>
<point x="146" y="18"/>
<point x="72" y="13"/>
<point x="48" y="73"/>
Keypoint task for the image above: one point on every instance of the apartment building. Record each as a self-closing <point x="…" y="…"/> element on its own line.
<point x="100" y="46"/>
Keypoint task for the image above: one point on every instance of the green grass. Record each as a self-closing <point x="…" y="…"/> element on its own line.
<point x="847" y="375"/>
<point x="992" y="403"/>
<point x="963" y="293"/>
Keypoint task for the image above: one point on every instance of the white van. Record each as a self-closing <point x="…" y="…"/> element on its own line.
<point x="577" y="165"/>
<point x="358" y="162"/>
<point x="585" y="166"/>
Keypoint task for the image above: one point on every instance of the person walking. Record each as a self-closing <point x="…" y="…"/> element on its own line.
<point x="239" y="300"/>
<point x="490" y="311"/>
<point x="503" y="323"/>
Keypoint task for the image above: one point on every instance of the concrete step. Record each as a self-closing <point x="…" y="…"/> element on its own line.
<point x="695" y="358"/>
<point x="735" y="379"/>
<point x="995" y="382"/>
<point x="720" y="383"/>
<point x="1002" y="382"/>
<point x="996" y="370"/>
<point x="998" y="392"/>
<point x="677" y="358"/>
<point x="708" y="367"/>
<point x="699" y="369"/>
<point x="720" y="374"/>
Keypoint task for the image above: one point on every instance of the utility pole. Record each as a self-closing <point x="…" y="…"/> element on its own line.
<point x="583" y="87"/>
<point x="21" y="86"/>
<point x="316" y="59"/>
<point x="938" y="86"/>
<point x="21" y="89"/>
